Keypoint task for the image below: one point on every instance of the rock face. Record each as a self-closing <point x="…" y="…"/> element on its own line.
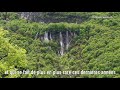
<point x="47" y="17"/>
<point x="32" y="16"/>
<point x="63" y="38"/>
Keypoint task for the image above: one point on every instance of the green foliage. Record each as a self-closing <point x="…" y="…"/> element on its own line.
<point x="12" y="57"/>
<point x="8" y="16"/>
<point x="95" y="47"/>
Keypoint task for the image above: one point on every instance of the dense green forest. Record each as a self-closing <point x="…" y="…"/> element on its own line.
<point x="59" y="41"/>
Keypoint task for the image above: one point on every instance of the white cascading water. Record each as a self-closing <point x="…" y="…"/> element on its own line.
<point x="74" y="34"/>
<point x="36" y="36"/>
<point x="61" y="44"/>
<point x="67" y="40"/>
<point x="46" y="36"/>
<point x="50" y="36"/>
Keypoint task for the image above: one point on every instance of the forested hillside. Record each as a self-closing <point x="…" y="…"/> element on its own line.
<point x="59" y="41"/>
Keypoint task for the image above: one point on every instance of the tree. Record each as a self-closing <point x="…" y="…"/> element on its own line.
<point x="12" y="57"/>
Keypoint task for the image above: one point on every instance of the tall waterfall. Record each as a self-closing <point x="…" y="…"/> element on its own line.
<point x="67" y="40"/>
<point x="50" y="36"/>
<point x="36" y="36"/>
<point x="61" y="44"/>
<point x="64" y="39"/>
<point x="46" y="36"/>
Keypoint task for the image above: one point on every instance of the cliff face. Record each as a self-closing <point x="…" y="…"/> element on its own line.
<point x="48" y="17"/>
<point x="32" y="16"/>
<point x="63" y="39"/>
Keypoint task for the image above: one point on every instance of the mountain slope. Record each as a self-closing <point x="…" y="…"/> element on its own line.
<point x="66" y="41"/>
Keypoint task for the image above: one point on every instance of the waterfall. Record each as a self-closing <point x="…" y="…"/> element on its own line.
<point x="36" y="36"/>
<point x="50" y="36"/>
<point x="61" y="44"/>
<point x="46" y="36"/>
<point x="67" y="40"/>
<point x="74" y="34"/>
